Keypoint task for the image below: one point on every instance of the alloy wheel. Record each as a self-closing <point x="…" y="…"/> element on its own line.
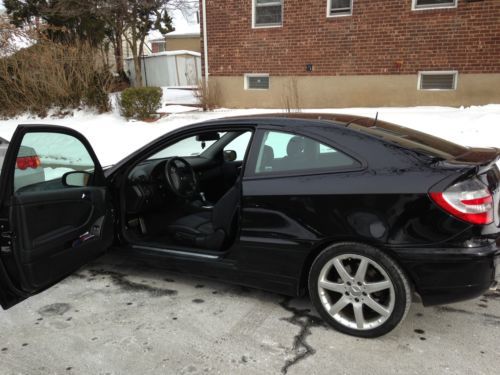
<point x="356" y="291"/>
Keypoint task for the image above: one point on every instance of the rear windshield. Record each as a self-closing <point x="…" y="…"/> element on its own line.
<point x="410" y="139"/>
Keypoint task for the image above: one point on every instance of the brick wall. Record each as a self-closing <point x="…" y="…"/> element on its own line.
<point x="381" y="37"/>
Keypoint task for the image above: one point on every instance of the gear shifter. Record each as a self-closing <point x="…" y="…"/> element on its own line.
<point x="203" y="198"/>
<point x="206" y="204"/>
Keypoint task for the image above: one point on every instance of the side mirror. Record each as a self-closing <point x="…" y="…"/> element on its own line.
<point x="77" y="179"/>
<point x="230" y="155"/>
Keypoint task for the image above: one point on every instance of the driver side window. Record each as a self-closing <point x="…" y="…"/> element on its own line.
<point x="44" y="158"/>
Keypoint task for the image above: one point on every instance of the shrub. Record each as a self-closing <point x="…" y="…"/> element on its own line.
<point x="140" y="102"/>
<point x="53" y="75"/>
<point x="291" y="97"/>
<point x="208" y="95"/>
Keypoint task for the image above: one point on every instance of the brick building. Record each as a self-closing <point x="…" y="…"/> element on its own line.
<point x="341" y="53"/>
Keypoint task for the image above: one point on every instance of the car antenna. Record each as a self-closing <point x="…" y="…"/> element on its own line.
<point x="376" y="120"/>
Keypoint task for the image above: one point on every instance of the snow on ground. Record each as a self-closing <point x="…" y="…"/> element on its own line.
<point x="113" y="137"/>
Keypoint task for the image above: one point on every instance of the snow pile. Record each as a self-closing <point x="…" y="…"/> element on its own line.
<point x="472" y="126"/>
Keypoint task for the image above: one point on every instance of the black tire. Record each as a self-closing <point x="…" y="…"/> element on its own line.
<point x="398" y="295"/>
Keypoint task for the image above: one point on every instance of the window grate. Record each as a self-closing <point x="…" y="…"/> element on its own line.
<point x="257" y="82"/>
<point x="438" y="81"/>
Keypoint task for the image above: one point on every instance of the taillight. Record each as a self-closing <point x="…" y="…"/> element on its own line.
<point x="25" y="162"/>
<point x="468" y="200"/>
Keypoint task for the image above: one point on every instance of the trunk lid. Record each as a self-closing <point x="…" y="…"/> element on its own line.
<point x="484" y="158"/>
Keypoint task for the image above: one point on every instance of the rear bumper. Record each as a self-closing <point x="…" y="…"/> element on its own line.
<point x="496" y="283"/>
<point x="451" y="275"/>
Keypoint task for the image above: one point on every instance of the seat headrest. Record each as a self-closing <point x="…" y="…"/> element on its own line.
<point x="268" y="153"/>
<point x="295" y="146"/>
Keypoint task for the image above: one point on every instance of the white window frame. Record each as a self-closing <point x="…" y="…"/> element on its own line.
<point x="254" y="26"/>
<point x="414" y="6"/>
<point x="248" y="75"/>
<point x="329" y="10"/>
<point x="164" y="43"/>
<point x="437" y="72"/>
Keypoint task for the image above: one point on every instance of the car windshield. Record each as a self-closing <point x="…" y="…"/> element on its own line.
<point x="184" y="148"/>
<point x="410" y="139"/>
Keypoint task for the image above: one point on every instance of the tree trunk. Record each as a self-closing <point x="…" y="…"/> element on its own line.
<point x="133" y="43"/>
<point x="138" y="70"/>
<point x="119" y="54"/>
<point x="136" y="58"/>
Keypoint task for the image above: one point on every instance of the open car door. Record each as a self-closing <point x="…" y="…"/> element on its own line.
<point x="55" y="213"/>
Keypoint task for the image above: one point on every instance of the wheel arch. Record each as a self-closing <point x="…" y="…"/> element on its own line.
<point x="316" y="250"/>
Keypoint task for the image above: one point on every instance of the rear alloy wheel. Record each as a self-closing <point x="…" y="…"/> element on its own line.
<point x="359" y="290"/>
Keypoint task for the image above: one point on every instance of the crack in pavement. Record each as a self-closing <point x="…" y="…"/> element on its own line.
<point x="303" y="319"/>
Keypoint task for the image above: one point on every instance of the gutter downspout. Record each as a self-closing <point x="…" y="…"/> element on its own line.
<point x="205" y="41"/>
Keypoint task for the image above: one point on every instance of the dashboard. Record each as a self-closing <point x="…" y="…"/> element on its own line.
<point x="147" y="188"/>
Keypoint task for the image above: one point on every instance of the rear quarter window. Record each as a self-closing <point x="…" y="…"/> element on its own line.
<point x="282" y="152"/>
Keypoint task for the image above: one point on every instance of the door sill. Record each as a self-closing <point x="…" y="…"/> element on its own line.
<point x="177" y="252"/>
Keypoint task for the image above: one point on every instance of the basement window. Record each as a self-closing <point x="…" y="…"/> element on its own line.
<point x="267" y="13"/>
<point x="437" y="81"/>
<point x="433" y="4"/>
<point x="339" y="8"/>
<point x="256" y="81"/>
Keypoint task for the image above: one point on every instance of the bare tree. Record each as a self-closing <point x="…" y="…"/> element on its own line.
<point x="117" y="20"/>
<point x="141" y="17"/>
<point x="114" y="13"/>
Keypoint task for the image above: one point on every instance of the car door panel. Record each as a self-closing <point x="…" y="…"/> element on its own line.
<point x="50" y="229"/>
<point x="53" y="244"/>
<point x="65" y="211"/>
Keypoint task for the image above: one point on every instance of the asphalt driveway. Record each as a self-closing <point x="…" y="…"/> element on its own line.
<point x="115" y="317"/>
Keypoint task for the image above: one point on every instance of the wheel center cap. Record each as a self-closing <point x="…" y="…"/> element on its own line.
<point x="355" y="290"/>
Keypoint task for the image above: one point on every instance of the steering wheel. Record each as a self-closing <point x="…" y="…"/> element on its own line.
<point x="181" y="178"/>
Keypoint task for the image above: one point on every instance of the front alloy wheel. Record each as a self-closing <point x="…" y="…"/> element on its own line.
<point x="359" y="290"/>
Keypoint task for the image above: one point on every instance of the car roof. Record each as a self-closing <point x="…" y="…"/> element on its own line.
<point x="296" y="119"/>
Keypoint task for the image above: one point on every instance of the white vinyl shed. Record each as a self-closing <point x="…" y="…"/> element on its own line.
<point x="172" y="68"/>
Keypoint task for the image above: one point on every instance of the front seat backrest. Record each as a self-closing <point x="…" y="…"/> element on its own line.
<point x="225" y="209"/>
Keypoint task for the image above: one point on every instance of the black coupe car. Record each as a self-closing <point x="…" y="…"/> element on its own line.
<point x="361" y="214"/>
